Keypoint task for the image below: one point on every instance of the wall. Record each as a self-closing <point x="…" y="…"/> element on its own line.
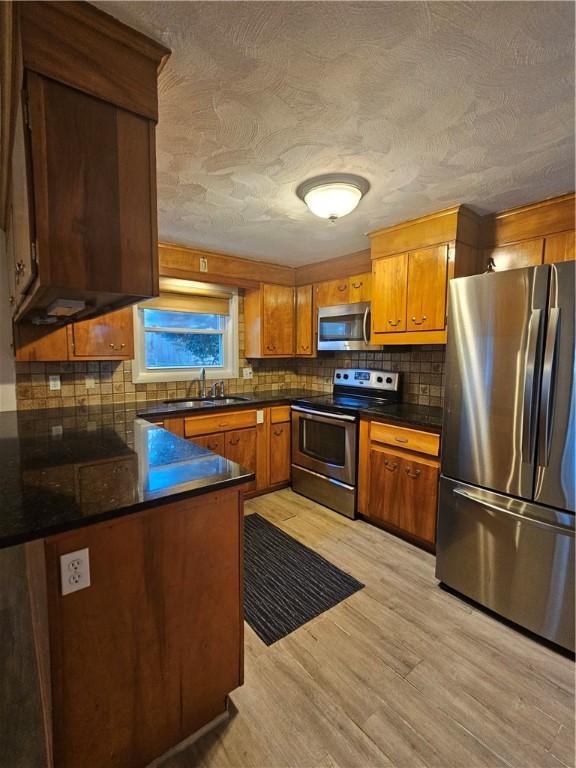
<point x="423" y="369"/>
<point x="7" y="370"/>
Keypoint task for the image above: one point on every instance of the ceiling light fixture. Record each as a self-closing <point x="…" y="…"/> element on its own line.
<point x="333" y="195"/>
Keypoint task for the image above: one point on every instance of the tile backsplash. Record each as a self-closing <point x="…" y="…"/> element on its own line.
<point x="422" y="380"/>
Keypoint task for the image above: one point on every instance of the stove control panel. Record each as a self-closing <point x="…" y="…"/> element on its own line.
<point x="365" y="378"/>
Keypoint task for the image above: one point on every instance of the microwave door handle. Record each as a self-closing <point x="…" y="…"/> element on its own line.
<point x="548" y="388"/>
<point x="364" y="323"/>
<point x="529" y="383"/>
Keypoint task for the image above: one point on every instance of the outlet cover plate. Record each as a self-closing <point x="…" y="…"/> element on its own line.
<point x="54" y="382"/>
<point x="75" y="571"/>
<point x="247" y="372"/>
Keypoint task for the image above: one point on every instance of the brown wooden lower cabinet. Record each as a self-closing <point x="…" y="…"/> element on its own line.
<point x="139" y="661"/>
<point x="280" y="453"/>
<point x="397" y="488"/>
<point x="240" y="446"/>
<point x="213" y="443"/>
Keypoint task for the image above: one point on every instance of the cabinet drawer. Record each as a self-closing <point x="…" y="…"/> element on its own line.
<point x="218" y="422"/>
<point x="409" y="439"/>
<point x="279" y="413"/>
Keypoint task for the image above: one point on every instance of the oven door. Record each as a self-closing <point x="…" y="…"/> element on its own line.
<point x="324" y="443"/>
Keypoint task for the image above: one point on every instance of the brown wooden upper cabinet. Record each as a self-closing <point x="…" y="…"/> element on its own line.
<point x="83" y="193"/>
<point x="106" y="337"/>
<point x="540" y="233"/>
<point x="346" y="290"/>
<point x="411" y="266"/>
<point x="269" y="321"/>
<point x="305" y="321"/>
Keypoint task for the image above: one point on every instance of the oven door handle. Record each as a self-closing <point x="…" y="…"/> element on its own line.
<point x="324" y="414"/>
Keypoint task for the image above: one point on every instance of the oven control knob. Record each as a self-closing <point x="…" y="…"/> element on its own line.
<point x="345" y="375"/>
<point x="388" y="379"/>
<point x="338" y="375"/>
<point x="379" y="379"/>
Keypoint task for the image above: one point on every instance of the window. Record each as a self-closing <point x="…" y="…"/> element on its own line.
<point x="178" y="334"/>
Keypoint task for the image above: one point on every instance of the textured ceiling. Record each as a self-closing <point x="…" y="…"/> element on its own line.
<point x="434" y="103"/>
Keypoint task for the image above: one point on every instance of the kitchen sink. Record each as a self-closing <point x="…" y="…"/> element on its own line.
<point x="199" y="402"/>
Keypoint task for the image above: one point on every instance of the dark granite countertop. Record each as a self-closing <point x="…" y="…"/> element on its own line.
<point x="408" y="414"/>
<point x="248" y="400"/>
<point x="63" y="469"/>
<point x="399" y="413"/>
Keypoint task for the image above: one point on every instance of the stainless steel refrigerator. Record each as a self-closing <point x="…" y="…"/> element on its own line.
<point x="507" y="489"/>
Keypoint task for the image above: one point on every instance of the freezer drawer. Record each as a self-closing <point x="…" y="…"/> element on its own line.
<point x="514" y="557"/>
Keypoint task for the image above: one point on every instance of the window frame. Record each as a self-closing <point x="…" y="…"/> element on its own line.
<point x="230" y="339"/>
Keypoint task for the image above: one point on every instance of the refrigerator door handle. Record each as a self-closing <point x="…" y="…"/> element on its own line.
<point x="523" y="518"/>
<point x="548" y="387"/>
<point x="530" y="382"/>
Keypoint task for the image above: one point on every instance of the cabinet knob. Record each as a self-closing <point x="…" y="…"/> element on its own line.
<point x="357" y="285"/>
<point x="393" y="323"/>
<point x="419" y="322"/>
<point x="341" y="287"/>
<point x="414" y="474"/>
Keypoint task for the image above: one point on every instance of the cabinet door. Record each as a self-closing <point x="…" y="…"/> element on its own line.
<point x="304" y="321"/>
<point x="332" y="292"/>
<point x="277" y="320"/>
<point x="107" y="336"/>
<point x="530" y="253"/>
<point x="213" y="442"/>
<point x="360" y="288"/>
<point x="418" y="496"/>
<point x="559" y="248"/>
<point x="384" y="497"/>
<point x="389" y="288"/>
<point x="94" y="194"/>
<point x="240" y="446"/>
<point x="427" y="279"/>
<point x="279" y="453"/>
<point x="22" y="234"/>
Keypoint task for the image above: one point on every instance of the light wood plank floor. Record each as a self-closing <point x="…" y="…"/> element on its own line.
<point x="401" y="674"/>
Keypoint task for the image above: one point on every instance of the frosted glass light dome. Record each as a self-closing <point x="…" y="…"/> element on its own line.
<point x="334" y="195"/>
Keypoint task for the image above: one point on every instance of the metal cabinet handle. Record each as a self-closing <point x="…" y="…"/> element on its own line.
<point x="414" y="474"/>
<point x="212" y="446"/>
<point x="223" y="424"/>
<point x="364" y="325"/>
<point x="390" y="467"/>
<point x="357" y="285"/>
<point x="271" y="347"/>
<point x="234" y="442"/>
<point x="304" y="347"/>
<point x="11" y="300"/>
<point x="419" y="322"/>
<point x="19" y="268"/>
<point x="394" y="323"/>
<point x="342" y="287"/>
<point x="278" y="432"/>
<point x="401" y="439"/>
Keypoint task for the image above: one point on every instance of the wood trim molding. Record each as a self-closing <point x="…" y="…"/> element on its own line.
<point x="341" y="266"/>
<point x="86" y="48"/>
<point x="547" y="217"/>
<point x="184" y="262"/>
<point x="10" y="78"/>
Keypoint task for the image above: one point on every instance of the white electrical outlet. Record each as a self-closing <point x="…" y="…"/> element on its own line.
<point x="203" y="264"/>
<point x="259" y="417"/>
<point x="90" y="382"/>
<point x="57" y="430"/>
<point x="247" y="372"/>
<point x="54" y="382"/>
<point x="75" y="571"/>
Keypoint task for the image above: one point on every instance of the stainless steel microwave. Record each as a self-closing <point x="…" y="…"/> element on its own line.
<point x="344" y="327"/>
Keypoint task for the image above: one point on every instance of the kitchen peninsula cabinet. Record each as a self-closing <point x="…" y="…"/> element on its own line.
<point x="411" y="266"/>
<point x="106" y="337"/>
<point x="82" y="198"/>
<point x="398" y="480"/>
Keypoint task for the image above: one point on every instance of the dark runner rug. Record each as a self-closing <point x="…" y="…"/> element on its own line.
<point x="285" y="583"/>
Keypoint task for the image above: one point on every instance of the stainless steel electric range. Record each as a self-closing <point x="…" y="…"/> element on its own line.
<point x="325" y="435"/>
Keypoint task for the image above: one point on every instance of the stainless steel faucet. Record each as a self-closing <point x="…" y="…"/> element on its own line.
<point x="202" y="383"/>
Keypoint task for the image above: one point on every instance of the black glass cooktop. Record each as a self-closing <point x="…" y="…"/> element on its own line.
<point x="341" y="403"/>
